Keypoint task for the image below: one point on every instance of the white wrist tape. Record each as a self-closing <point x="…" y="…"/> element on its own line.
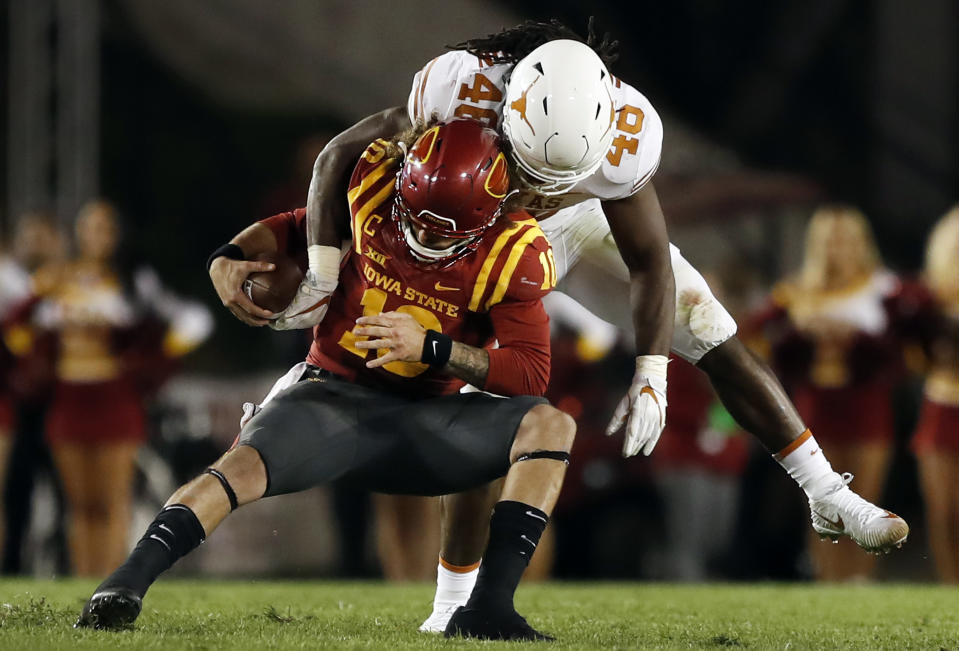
<point x="324" y="260"/>
<point x="652" y="366"/>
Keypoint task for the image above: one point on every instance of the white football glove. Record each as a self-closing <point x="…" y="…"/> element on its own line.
<point x="643" y="408"/>
<point x="312" y="298"/>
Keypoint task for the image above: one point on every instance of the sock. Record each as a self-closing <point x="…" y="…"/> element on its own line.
<point x="454" y="583"/>
<point x="514" y="531"/>
<point x="807" y="464"/>
<point x="173" y="534"/>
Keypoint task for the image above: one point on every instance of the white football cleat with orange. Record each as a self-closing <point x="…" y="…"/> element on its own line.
<point x="841" y="512"/>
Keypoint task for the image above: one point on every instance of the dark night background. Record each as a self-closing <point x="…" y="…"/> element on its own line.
<point x="791" y="86"/>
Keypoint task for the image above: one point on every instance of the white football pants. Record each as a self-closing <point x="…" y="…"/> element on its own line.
<point x="596" y="276"/>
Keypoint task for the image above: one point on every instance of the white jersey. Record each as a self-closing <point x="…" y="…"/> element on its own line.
<point x="460" y="84"/>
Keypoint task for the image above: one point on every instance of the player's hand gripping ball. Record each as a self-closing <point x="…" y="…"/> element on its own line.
<point x="228" y="276"/>
<point x="274" y="290"/>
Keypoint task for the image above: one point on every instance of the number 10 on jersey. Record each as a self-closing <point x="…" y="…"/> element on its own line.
<point x="373" y="302"/>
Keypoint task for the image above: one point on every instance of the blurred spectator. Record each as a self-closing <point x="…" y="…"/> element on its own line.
<point x="698" y="463"/>
<point x="23" y="383"/>
<point x="14" y="287"/>
<point x="114" y="336"/>
<point x="936" y="441"/>
<point x="407" y="536"/>
<point x="830" y="331"/>
<point x="696" y="468"/>
<point x="584" y="348"/>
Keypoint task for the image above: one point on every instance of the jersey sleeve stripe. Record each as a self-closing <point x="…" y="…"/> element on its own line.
<point x="479" y="288"/>
<point x="506" y="275"/>
<point x="420" y="108"/>
<point x="363" y="214"/>
<point x="368" y="181"/>
<point x="375" y="152"/>
<point x="645" y="179"/>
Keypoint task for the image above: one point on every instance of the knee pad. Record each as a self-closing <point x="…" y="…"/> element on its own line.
<point x="702" y="323"/>
<point x="555" y="455"/>
<point x="225" y="484"/>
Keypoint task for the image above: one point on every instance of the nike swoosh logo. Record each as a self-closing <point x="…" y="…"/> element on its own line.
<point x="891" y="515"/>
<point x="434" y="348"/>
<point x="838" y="523"/>
<point x="161" y="541"/>
<point x="523" y="536"/>
<point x="533" y="515"/>
<point x="813" y="453"/>
<point x="442" y="288"/>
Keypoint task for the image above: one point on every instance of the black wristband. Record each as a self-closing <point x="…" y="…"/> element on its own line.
<point x="436" y="349"/>
<point x="230" y="250"/>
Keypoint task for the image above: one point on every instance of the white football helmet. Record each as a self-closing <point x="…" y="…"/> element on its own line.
<point x="559" y="115"/>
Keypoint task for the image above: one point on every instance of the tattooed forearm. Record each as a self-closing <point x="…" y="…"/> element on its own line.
<point x="468" y="364"/>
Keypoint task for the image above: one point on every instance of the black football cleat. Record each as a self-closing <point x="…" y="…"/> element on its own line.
<point x="492" y="624"/>
<point x="110" y="609"/>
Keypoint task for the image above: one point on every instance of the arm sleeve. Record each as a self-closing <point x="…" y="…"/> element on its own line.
<point x="289" y="228"/>
<point x="520" y="366"/>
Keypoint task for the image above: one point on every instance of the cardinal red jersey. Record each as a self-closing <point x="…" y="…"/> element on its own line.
<point x="490" y="295"/>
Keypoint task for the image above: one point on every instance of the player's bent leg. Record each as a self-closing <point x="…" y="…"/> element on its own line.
<point x="236" y="478"/>
<point x="192" y="513"/>
<point x="406" y="541"/>
<point x="752" y="394"/>
<point x="755" y="398"/>
<point x="464" y="530"/>
<point x="704" y="334"/>
<point x="835" y="509"/>
<point x="539" y="457"/>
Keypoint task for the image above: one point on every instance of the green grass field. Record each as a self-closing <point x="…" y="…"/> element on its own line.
<point x="317" y="614"/>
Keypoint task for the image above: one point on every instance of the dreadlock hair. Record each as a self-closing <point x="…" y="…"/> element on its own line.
<point x="399" y="144"/>
<point x="513" y="44"/>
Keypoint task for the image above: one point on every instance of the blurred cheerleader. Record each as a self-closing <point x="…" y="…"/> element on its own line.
<point x="36" y="242"/>
<point x="830" y="330"/>
<point x="112" y="339"/>
<point x="936" y="441"/>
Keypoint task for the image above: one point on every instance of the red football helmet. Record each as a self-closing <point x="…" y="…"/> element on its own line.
<point x="452" y="186"/>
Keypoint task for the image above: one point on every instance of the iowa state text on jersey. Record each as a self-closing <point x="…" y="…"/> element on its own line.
<point x="513" y="264"/>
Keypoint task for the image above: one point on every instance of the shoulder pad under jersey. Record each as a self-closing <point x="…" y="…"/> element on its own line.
<point x="517" y="265"/>
<point x="633" y="156"/>
<point x="372" y="183"/>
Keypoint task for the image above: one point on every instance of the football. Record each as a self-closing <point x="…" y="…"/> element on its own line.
<point x="274" y="290"/>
